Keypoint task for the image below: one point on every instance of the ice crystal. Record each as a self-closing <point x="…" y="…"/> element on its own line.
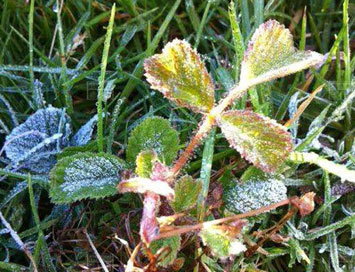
<point x="254" y="194"/>
<point x="19" y="187"/>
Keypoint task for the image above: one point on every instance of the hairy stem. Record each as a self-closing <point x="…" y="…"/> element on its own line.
<point x="185" y="229"/>
<point x="195" y="141"/>
<point x="207" y="125"/>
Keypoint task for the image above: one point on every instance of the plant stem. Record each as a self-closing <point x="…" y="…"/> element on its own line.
<point x="185" y="229"/>
<point x="208" y="123"/>
<point x="199" y="136"/>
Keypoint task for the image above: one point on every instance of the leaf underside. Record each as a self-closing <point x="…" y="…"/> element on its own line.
<point x="85" y="175"/>
<point x="144" y="185"/>
<point x="181" y="76"/>
<point x="154" y="134"/>
<point x="271" y="54"/>
<point x="259" y="139"/>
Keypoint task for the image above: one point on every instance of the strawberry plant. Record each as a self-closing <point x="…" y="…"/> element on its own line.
<point x="181" y="76"/>
<point x="131" y="190"/>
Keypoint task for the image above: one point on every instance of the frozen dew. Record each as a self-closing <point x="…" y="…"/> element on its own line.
<point x="254" y="194"/>
<point x="85" y="175"/>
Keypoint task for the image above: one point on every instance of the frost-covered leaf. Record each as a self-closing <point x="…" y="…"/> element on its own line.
<point x="154" y="134"/>
<point x="271" y="54"/>
<point x="259" y="139"/>
<point x="84" y="134"/>
<point x="181" y="76"/>
<point x="254" y="194"/>
<point x="171" y="245"/>
<point x="35" y="143"/>
<point x="221" y="242"/>
<point x="186" y="193"/>
<point x="85" y="175"/>
<point x="144" y="162"/>
<point x="144" y="185"/>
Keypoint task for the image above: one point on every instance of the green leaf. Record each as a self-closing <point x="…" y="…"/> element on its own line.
<point x="221" y="243"/>
<point x="85" y="175"/>
<point x="259" y="139"/>
<point x="181" y="76"/>
<point x="253" y="194"/>
<point x="73" y="150"/>
<point x="154" y="134"/>
<point x="186" y="193"/>
<point x="168" y="257"/>
<point x="271" y="54"/>
<point x="144" y="163"/>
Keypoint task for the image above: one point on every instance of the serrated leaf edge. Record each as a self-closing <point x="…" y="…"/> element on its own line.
<point x="157" y="84"/>
<point x="270" y="121"/>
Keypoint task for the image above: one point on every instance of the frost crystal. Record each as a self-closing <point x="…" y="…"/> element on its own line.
<point x="36" y="142"/>
<point x="89" y="172"/>
<point x="254" y="194"/>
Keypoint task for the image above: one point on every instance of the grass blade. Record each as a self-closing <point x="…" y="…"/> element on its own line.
<point x="100" y="125"/>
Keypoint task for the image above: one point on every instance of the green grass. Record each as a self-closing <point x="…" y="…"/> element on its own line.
<point x="67" y="50"/>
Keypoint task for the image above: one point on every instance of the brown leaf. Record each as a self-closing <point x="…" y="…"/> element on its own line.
<point x="305" y="204"/>
<point x="278" y="238"/>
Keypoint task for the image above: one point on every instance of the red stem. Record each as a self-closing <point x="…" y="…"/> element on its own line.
<point x="189" y="228"/>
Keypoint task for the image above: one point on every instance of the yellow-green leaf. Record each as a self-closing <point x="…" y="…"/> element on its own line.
<point x="186" y="193"/>
<point x="144" y="162"/>
<point x="271" y="54"/>
<point x="221" y="242"/>
<point x="259" y="139"/>
<point x="181" y="76"/>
